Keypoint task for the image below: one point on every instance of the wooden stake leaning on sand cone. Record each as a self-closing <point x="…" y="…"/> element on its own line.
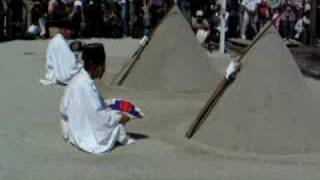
<point x="124" y="72"/>
<point x="231" y="72"/>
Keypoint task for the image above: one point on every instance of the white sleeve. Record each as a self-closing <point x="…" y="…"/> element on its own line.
<point x="99" y="114"/>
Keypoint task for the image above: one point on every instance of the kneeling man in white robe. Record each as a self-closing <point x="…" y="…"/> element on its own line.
<point x="61" y="62"/>
<point x="86" y="121"/>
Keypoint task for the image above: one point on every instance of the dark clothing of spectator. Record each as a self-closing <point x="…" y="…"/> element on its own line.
<point x="156" y="11"/>
<point x="16" y="18"/>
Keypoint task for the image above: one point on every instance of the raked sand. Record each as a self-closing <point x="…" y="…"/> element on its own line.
<point x="31" y="147"/>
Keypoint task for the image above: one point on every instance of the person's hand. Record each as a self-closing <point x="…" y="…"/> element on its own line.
<point x="124" y="119"/>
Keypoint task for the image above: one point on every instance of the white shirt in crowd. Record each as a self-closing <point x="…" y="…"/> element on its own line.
<point x="61" y="62"/>
<point x="251" y="5"/>
<point x="86" y="120"/>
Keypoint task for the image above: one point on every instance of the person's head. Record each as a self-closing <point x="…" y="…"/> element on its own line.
<point x="77" y="5"/>
<point x="94" y="56"/>
<point x="199" y="15"/>
<point x="66" y="28"/>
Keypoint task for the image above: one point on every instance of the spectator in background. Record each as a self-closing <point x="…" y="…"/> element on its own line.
<point x="77" y="17"/>
<point x="56" y="10"/>
<point x="299" y="28"/>
<point x="287" y="20"/>
<point x="264" y="12"/>
<point x="318" y="23"/>
<point x="250" y="16"/>
<point x="138" y="21"/>
<point x="125" y="7"/>
<point x="93" y="19"/>
<point x="306" y="22"/>
<point x="39" y="13"/>
<point x="234" y="20"/>
<point x="147" y="17"/>
<point x="200" y="22"/>
<point x="201" y="27"/>
<point x="156" y="11"/>
<point x="16" y="17"/>
<point x="2" y="21"/>
<point x="276" y="19"/>
<point x="112" y="22"/>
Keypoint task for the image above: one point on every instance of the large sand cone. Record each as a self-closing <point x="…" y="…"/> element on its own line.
<point x="268" y="108"/>
<point x="173" y="60"/>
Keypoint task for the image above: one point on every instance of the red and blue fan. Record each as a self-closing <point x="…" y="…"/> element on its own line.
<point x="126" y="107"/>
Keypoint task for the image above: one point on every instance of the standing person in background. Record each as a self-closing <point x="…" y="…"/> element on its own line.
<point x="137" y="19"/>
<point x="90" y="19"/>
<point x="39" y="18"/>
<point x="56" y="10"/>
<point x="318" y="23"/>
<point x="93" y="17"/>
<point x="287" y="19"/>
<point x="200" y="22"/>
<point x="201" y="27"/>
<point x="234" y="22"/>
<point x="77" y="17"/>
<point x="112" y="21"/>
<point x="16" y="18"/>
<point x="2" y="14"/>
<point x="34" y="28"/>
<point x="250" y="16"/>
<point x="276" y="19"/>
<point x="306" y="22"/>
<point x="147" y="17"/>
<point x="264" y="12"/>
<point x="156" y="11"/>
<point x="43" y="21"/>
<point x="125" y="12"/>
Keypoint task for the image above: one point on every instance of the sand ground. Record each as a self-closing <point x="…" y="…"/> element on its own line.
<point x="31" y="147"/>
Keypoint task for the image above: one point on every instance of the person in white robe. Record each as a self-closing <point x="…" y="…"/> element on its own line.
<point x="86" y="120"/>
<point x="61" y="62"/>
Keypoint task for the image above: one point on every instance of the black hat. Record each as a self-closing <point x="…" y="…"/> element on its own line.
<point x="93" y="54"/>
<point x="67" y="24"/>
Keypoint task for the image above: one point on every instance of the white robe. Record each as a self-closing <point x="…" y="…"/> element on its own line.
<point x="86" y="122"/>
<point x="62" y="64"/>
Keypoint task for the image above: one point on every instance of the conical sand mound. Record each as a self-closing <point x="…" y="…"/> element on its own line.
<point x="267" y="109"/>
<point x="173" y="60"/>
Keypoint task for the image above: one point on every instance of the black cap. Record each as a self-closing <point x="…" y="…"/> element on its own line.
<point x="93" y="54"/>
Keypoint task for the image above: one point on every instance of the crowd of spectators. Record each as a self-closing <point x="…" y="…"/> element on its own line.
<point x="119" y="18"/>
<point x="244" y="18"/>
<point x="98" y="18"/>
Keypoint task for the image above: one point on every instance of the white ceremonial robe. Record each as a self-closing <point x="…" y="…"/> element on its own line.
<point x="86" y="121"/>
<point x="62" y="64"/>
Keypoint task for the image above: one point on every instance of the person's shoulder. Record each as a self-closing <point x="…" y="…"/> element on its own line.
<point x="55" y="39"/>
<point x="80" y="80"/>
